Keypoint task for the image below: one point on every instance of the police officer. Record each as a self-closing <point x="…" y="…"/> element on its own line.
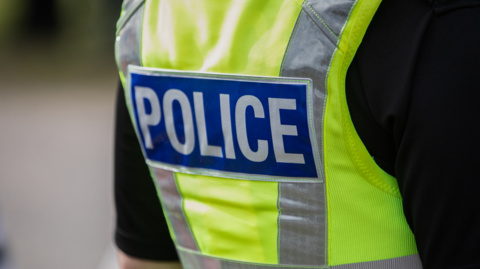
<point x="310" y="134"/>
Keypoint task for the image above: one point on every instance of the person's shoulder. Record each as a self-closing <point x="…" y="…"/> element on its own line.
<point x="444" y="6"/>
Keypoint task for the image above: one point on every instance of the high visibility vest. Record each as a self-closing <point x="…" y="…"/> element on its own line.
<point x="240" y="110"/>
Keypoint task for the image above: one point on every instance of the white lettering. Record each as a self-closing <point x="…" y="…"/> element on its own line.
<point x="249" y="100"/>
<point x="205" y="148"/>
<point x="168" y="99"/>
<point x="279" y="130"/>
<point x="227" y="125"/>
<point x="145" y="119"/>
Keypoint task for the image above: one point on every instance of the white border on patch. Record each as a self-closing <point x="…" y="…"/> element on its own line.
<point x="230" y="77"/>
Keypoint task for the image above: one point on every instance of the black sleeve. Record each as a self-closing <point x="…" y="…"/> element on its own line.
<point x="413" y="92"/>
<point x="141" y="229"/>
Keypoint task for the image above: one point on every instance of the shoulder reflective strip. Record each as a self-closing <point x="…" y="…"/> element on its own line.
<point x="327" y="32"/>
<point x="302" y="224"/>
<point x="406" y="262"/>
<point x="129" y="8"/>
<point x="195" y="260"/>
<point x="127" y="44"/>
<point x="127" y="4"/>
<point x="173" y="205"/>
<point x="309" y="53"/>
<point x="332" y="13"/>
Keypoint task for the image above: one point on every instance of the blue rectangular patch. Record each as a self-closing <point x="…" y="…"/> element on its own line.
<point x="224" y="125"/>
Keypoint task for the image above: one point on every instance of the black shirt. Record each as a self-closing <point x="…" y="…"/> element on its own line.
<point x="413" y="91"/>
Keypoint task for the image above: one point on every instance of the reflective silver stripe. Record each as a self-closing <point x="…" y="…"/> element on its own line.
<point x="127" y="44"/>
<point x="129" y="7"/>
<point x="172" y="202"/>
<point x="325" y="30"/>
<point x="302" y="206"/>
<point x="192" y="261"/>
<point x="302" y="224"/>
<point x="308" y="56"/>
<point x="333" y="13"/>
<point x="407" y="262"/>
<point x="127" y="4"/>
<point x="195" y="260"/>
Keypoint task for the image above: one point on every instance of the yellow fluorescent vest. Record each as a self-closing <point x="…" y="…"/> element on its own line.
<point x="351" y="216"/>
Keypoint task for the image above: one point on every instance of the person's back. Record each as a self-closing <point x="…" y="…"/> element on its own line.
<point x="241" y="110"/>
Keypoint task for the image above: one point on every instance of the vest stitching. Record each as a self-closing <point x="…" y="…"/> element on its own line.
<point x="318" y="17"/>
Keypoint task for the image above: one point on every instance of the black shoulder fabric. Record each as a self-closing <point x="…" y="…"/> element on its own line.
<point x="444" y="6"/>
<point x="379" y="78"/>
<point x="413" y="92"/>
<point x="437" y="163"/>
<point x="141" y="230"/>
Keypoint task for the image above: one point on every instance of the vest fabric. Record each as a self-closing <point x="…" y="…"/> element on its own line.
<point x="348" y="216"/>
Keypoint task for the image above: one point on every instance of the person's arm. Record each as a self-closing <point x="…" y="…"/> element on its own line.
<point x="142" y="235"/>
<point x="414" y="96"/>
<point x="128" y="262"/>
<point x="438" y="150"/>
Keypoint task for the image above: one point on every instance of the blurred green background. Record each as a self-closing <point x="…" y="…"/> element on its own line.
<point x="57" y="94"/>
<point x="56" y="33"/>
